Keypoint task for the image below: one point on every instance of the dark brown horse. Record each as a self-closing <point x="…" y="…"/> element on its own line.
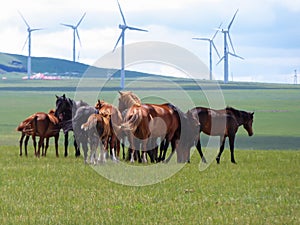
<point x="43" y="125"/>
<point x="72" y="114"/>
<point x="223" y="123"/>
<point x="98" y="127"/>
<point x="115" y="123"/>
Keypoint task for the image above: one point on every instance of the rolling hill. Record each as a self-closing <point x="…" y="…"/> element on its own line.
<point x="13" y="63"/>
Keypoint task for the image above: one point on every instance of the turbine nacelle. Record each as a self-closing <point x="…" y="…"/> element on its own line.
<point x="122" y="26"/>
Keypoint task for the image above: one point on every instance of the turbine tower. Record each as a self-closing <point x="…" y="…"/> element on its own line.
<point x="123" y="27"/>
<point x="75" y="33"/>
<point x="226" y="49"/>
<point x="29" y="30"/>
<point x="211" y="45"/>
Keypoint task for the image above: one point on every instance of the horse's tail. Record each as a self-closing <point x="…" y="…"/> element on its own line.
<point x="91" y="122"/>
<point x="25" y="123"/>
<point x="133" y="120"/>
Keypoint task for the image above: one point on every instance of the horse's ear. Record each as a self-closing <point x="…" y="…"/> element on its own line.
<point x="252" y="114"/>
<point x="121" y="93"/>
<point x="64" y="96"/>
<point x="56" y="97"/>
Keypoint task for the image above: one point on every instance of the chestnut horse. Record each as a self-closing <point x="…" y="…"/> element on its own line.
<point x="44" y="125"/>
<point x="115" y="122"/>
<point x="126" y="100"/>
<point x="223" y="123"/>
<point x="98" y="127"/>
<point x="182" y="132"/>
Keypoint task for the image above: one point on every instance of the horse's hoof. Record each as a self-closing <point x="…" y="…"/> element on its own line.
<point x="218" y="160"/>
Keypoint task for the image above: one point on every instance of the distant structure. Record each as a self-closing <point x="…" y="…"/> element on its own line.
<point x="29" y="30"/>
<point x="211" y="45"/>
<point x="75" y="33"/>
<point x="295" y="77"/>
<point x="123" y="27"/>
<point x="226" y="49"/>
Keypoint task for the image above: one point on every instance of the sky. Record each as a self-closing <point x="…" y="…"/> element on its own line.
<point x="266" y="33"/>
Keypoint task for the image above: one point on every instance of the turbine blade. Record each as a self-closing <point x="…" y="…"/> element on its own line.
<point x="80" y="19"/>
<point x="235" y="55"/>
<point x="124" y="21"/>
<point x="24" y="19"/>
<point x="25" y="43"/>
<point x="36" y="29"/>
<point x="78" y="36"/>
<point x="232" y="19"/>
<point x="201" y="39"/>
<point x="220" y="61"/>
<point x="138" y="29"/>
<point x="67" y="25"/>
<point x="118" y="41"/>
<point x="218" y="29"/>
<point x="213" y="44"/>
<point x="231" y="43"/>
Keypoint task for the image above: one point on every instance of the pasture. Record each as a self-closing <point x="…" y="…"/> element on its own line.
<point x="263" y="188"/>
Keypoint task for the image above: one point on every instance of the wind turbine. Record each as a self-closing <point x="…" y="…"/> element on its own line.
<point x="123" y="27"/>
<point x="29" y="30"/>
<point x="226" y="49"/>
<point x="75" y="32"/>
<point x="211" y="45"/>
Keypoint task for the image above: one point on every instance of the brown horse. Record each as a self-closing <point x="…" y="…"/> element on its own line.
<point x="165" y="121"/>
<point x="98" y="127"/>
<point x="126" y="100"/>
<point x="43" y="125"/>
<point x="223" y="123"/>
<point x="115" y="122"/>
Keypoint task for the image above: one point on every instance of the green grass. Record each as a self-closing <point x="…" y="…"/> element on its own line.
<point x="263" y="188"/>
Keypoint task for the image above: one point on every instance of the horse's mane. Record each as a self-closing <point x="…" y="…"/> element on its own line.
<point x="52" y="117"/>
<point x="129" y="98"/>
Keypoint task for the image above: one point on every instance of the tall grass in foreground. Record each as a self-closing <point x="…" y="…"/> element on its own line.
<point x="263" y="188"/>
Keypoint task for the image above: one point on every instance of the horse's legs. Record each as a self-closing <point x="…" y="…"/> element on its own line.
<point x="26" y="144"/>
<point x="85" y="150"/>
<point x="46" y="147"/>
<point x="231" y="144"/>
<point x="174" y="144"/>
<point x="222" y="143"/>
<point x="77" y="147"/>
<point x="66" y="143"/>
<point x="41" y="142"/>
<point x="113" y="143"/>
<point x="165" y="149"/>
<point x="21" y="142"/>
<point x="198" y="146"/>
<point x="144" y="151"/>
<point x="56" y="137"/>
<point x="34" y="144"/>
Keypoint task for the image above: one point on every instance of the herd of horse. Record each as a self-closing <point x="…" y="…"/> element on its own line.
<point x="148" y="128"/>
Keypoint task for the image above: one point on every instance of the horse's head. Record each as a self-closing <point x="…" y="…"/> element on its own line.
<point x="63" y="107"/>
<point x="127" y="99"/>
<point x="248" y="121"/>
<point x="99" y="104"/>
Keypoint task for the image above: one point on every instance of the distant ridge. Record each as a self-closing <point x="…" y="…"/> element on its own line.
<point x="57" y="67"/>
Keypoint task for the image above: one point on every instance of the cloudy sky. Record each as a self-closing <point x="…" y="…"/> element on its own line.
<point x="265" y="32"/>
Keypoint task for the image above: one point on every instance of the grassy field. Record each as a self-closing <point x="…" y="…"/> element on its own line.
<point x="263" y="188"/>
